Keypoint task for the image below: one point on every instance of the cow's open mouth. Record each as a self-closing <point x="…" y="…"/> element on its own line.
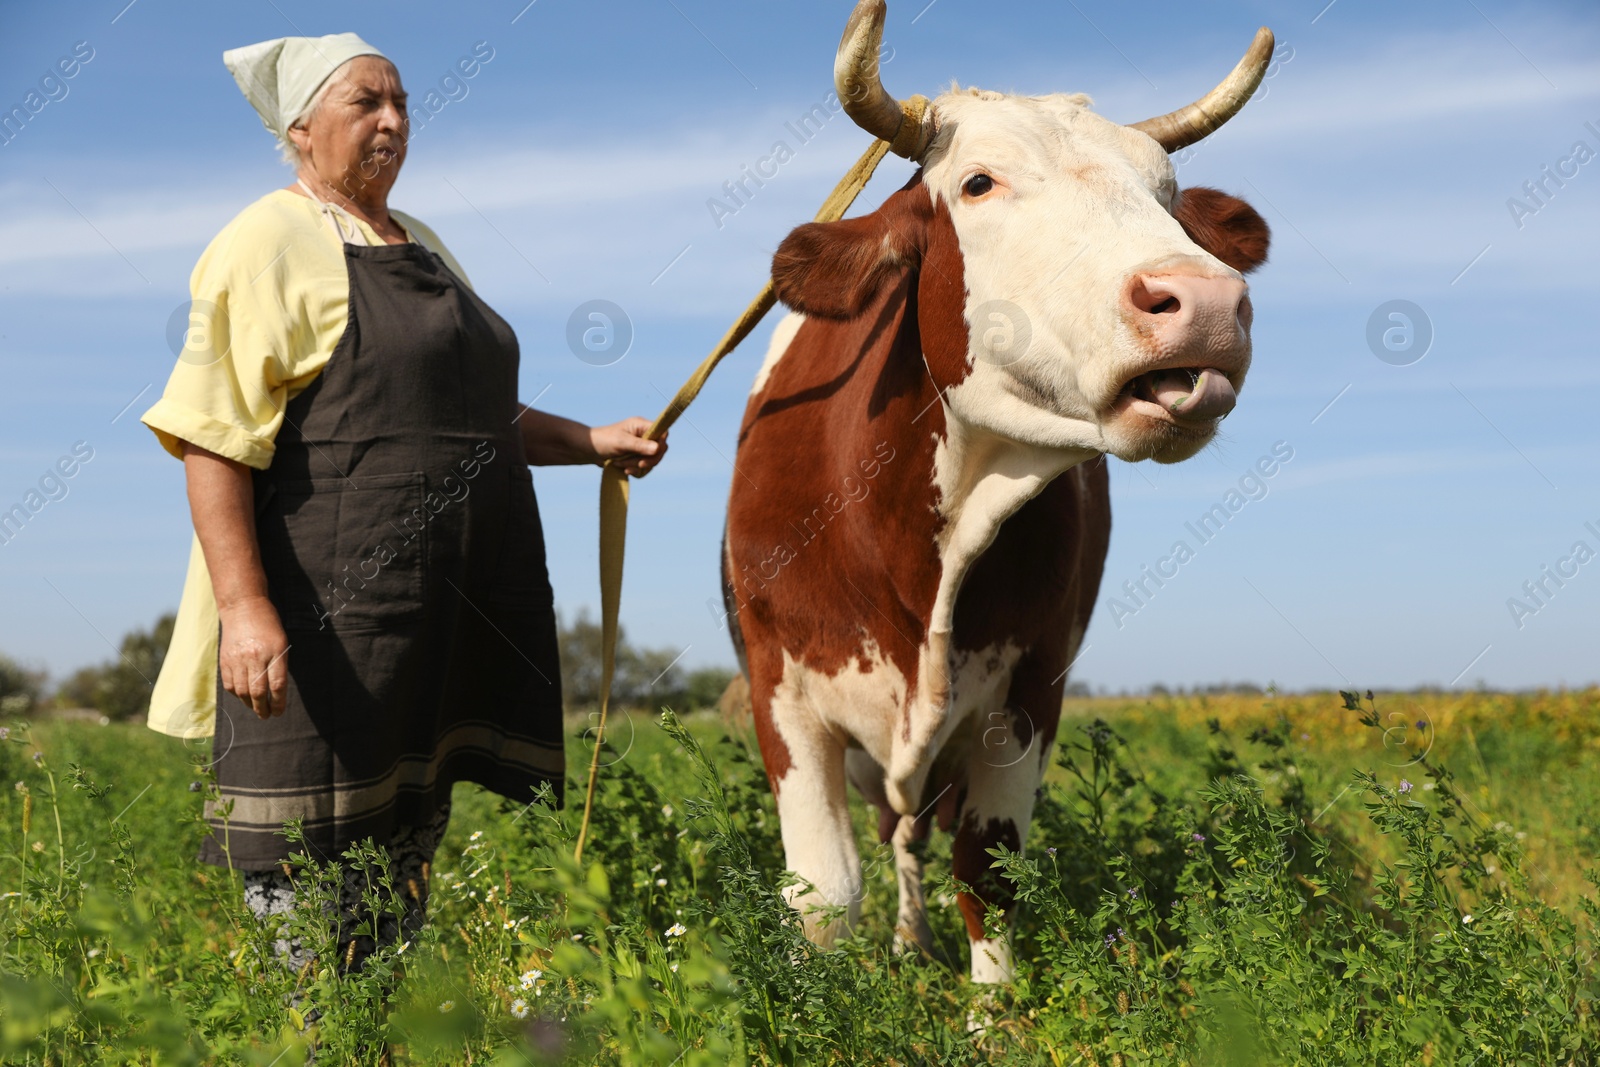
<point x="1191" y="395"/>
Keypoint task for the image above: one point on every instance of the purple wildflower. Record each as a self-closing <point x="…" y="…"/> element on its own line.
<point x="1422" y="724"/>
<point x="1110" y="940"/>
<point x="5" y="732"/>
<point x="1133" y="893"/>
<point x="1405" y="786"/>
<point x="1198" y="837"/>
<point x="1051" y="851"/>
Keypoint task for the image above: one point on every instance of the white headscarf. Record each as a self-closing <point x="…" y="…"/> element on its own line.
<point x="280" y="77"/>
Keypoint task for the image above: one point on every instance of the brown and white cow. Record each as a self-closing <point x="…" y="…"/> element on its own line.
<point x="919" y="517"/>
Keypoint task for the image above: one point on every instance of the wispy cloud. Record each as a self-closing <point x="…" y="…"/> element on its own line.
<point x="613" y="214"/>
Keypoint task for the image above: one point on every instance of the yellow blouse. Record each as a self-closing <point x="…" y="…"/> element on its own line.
<point x="271" y="297"/>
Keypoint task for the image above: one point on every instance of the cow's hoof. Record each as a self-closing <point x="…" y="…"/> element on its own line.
<point x="914" y="938"/>
<point x="984" y="1019"/>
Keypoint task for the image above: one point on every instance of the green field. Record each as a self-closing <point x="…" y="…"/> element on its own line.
<point x="1210" y="880"/>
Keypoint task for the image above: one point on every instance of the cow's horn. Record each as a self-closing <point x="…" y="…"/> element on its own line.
<point x="904" y="124"/>
<point x="1183" y="127"/>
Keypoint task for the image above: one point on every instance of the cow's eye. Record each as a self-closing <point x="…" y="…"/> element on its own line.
<point x="977" y="185"/>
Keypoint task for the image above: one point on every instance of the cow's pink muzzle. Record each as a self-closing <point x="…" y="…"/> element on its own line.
<point x="1196" y="329"/>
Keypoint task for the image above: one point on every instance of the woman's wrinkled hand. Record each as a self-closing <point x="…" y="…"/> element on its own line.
<point x="253" y="661"/>
<point x="625" y="445"/>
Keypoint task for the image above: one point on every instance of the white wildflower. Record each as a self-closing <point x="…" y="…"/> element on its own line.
<point x="530" y="977"/>
<point x="1466" y="918"/>
<point x="519" y="1008"/>
<point x="677" y="930"/>
<point x="475" y="835"/>
<point x="661" y="883"/>
<point x="655" y="869"/>
<point x="446" y="1007"/>
<point x="666" y="809"/>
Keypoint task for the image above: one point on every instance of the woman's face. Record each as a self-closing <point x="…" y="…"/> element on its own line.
<point x="356" y="141"/>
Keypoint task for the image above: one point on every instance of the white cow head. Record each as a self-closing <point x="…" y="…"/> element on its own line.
<point x="1093" y="306"/>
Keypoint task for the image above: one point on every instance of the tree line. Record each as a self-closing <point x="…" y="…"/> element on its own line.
<point x="120" y="688"/>
<point x="117" y="689"/>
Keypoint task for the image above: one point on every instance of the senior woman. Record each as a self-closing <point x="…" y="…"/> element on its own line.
<point x="367" y="617"/>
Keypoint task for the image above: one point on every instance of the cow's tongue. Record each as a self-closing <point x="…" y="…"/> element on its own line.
<point x="1206" y="396"/>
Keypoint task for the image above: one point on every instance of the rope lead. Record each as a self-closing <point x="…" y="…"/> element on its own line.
<point x="614" y="483"/>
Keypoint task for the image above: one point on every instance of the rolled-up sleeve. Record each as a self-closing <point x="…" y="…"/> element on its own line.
<point x="252" y="341"/>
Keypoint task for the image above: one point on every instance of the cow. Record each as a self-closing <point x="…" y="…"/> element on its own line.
<point x="919" y="513"/>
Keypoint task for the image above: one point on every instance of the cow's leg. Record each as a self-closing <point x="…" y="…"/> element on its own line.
<point x="819" y="842"/>
<point x="904" y="833"/>
<point x="1002" y="777"/>
<point x="911" y="923"/>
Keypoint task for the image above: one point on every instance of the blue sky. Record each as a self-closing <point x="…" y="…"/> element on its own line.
<point x="579" y="164"/>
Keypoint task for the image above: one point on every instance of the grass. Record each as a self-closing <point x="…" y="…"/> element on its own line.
<point x="1529" y="761"/>
<point x="1210" y="880"/>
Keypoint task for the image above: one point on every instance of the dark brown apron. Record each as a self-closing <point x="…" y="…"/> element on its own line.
<point x="404" y="554"/>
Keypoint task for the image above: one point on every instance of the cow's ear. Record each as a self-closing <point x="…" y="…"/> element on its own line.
<point x="1225" y="226"/>
<point x="834" y="270"/>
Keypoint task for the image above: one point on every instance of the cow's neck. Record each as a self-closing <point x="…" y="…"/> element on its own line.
<point x="981" y="480"/>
